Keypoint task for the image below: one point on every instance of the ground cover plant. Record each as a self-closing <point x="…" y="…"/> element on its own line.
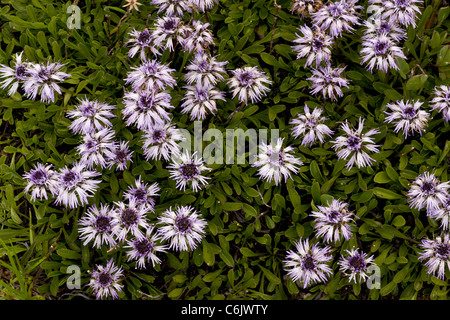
<point x="199" y="149"/>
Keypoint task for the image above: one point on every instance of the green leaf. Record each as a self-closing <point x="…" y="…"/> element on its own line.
<point x="270" y="276"/>
<point x="386" y="194"/>
<point x="68" y="254"/>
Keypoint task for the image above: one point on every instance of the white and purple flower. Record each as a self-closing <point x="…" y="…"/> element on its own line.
<point x="96" y="226"/>
<point x="105" y="281"/>
<point x="249" y="82"/>
<point x="183" y="227"/>
<point x="328" y="81"/>
<point x="309" y="263"/>
<point x="408" y="117"/>
<point x="186" y="169"/>
<point x="355" y="144"/>
<point x="310" y="125"/>
<point x="275" y="162"/>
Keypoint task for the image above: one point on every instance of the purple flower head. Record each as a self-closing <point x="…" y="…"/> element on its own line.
<point x="105" y="281"/>
<point x="428" y="191"/>
<point x="355" y="144"/>
<point x="167" y="32"/>
<point x="90" y="116"/>
<point x="437" y="254"/>
<point x="197" y="37"/>
<point x="15" y="76"/>
<point x="337" y="17"/>
<point x="96" y="226"/>
<point x="205" y="69"/>
<point x="150" y="76"/>
<point x="186" y="169"/>
<point x="141" y="41"/>
<point x="144" y="248"/>
<point x="355" y="264"/>
<point x="377" y="26"/>
<point x="442" y="213"/>
<point x="128" y="219"/>
<point x="97" y="148"/>
<point x="146" y="109"/>
<point x="143" y="194"/>
<point x="183" y="227"/>
<point x="380" y="52"/>
<point x="249" y="82"/>
<point x="173" y="7"/>
<point x="75" y="185"/>
<point x="43" y="79"/>
<point x="441" y="101"/>
<point x="310" y="126"/>
<point x="120" y="155"/>
<point x="40" y="180"/>
<point x="308" y="264"/>
<point x="328" y="81"/>
<point x="161" y="141"/>
<point x="403" y="12"/>
<point x="275" y="162"/>
<point x="407" y="117"/>
<point x="313" y="44"/>
<point x="333" y="221"/>
<point x="200" y="99"/>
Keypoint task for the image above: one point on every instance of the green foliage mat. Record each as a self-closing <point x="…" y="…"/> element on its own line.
<point x="251" y="223"/>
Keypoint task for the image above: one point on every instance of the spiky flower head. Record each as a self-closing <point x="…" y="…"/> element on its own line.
<point x="328" y="81"/>
<point x="249" y="82"/>
<point x="308" y="263"/>
<point x="105" y="280"/>
<point x="186" y="169"/>
<point x="408" y="117"/>
<point x="41" y="180"/>
<point x="355" y="264"/>
<point x="436" y="252"/>
<point x="275" y="161"/>
<point x="315" y="44"/>
<point x="333" y="222"/>
<point x="310" y="125"/>
<point x="354" y="145"/>
<point x="441" y="101"/>
<point x="96" y="226"/>
<point x="183" y="227"/>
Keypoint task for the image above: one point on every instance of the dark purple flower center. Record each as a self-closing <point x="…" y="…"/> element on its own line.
<point x="308" y="263"/>
<point x="158" y="135"/>
<point x="183" y="224"/>
<point x="121" y="155"/>
<point x="143" y="246"/>
<point x="21" y="72"/>
<point x="145" y="102"/>
<point x="334" y="215"/>
<point x="354" y="142"/>
<point x="427" y="187"/>
<point x="246" y="78"/>
<point x="203" y="66"/>
<point x="189" y="171"/>
<point x="39" y="176"/>
<point x="201" y="95"/>
<point x="442" y="250"/>
<point x="409" y="112"/>
<point x="90" y="144"/>
<point x="102" y="224"/>
<point x="104" y="278"/>
<point x="88" y="110"/>
<point x="402" y="3"/>
<point x="169" y="25"/>
<point x="69" y="177"/>
<point x="140" y="194"/>
<point x="335" y="10"/>
<point x="44" y="74"/>
<point x="144" y="36"/>
<point x="384" y="27"/>
<point x="381" y="47"/>
<point x="357" y="263"/>
<point x="317" y="44"/>
<point x="129" y="217"/>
